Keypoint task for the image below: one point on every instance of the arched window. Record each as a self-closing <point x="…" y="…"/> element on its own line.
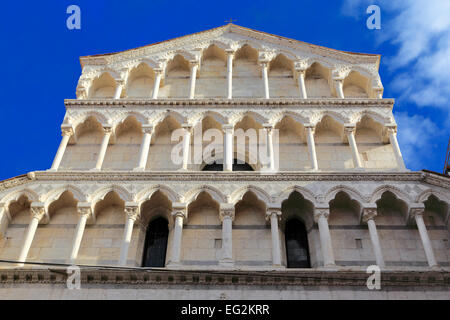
<point x="297" y="250"/>
<point x="236" y="166"/>
<point x="156" y="243"/>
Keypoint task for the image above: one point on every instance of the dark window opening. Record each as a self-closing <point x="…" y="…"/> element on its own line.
<point x="156" y="243"/>
<point x="297" y="250"/>
<point x="236" y="166"/>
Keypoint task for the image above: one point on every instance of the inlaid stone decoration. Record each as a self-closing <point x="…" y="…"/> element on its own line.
<point x="329" y="195"/>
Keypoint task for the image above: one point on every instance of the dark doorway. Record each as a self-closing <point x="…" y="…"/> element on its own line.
<point x="297" y="250"/>
<point x="156" y="243"/>
<point x="236" y="166"/>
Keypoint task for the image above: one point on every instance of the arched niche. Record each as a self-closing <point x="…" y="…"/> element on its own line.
<point x="212" y="76"/>
<point x="83" y="154"/>
<point x="160" y="153"/>
<point x="176" y="82"/>
<point x="124" y="153"/>
<point x="296" y="207"/>
<point x="281" y="78"/>
<point x="293" y="150"/>
<point x="202" y="233"/>
<point x="103" y="87"/>
<point x="332" y="152"/>
<point x="374" y="153"/>
<point x="356" y="86"/>
<point x="251" y="234"/>
<point x="317" y="81"/>
<point x="140" y="82"/>
<point x="247" y="79"/>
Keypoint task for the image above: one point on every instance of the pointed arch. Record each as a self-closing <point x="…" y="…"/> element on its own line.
<point x="238" y="194"/>
<point x="139" y="117"/>
<point x="101" y="118"/>
<point x="103" y="85"/>
<point x="351" y="192"/>
<point x="378" y="192"/>
<point x="215" y="193"/>
<point x="169" y="113"/>
<point x="423" y="196"/>
<point x="307" y="194"/>
<point x="297" y="117"/>
<point x="147" y="193"/>
<point x="332" y="114"/>
<point x="15" y="195"/>
<point x="236" y="118"/>
<point x="198" y="117"/>
<point x="100" y="194"/>
<point x="54" y="194"/>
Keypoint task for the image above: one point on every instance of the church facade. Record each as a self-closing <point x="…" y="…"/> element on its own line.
<point x="227" y="164"/>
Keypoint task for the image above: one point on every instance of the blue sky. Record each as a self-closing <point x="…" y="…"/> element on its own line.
<point x="41" y="66"/>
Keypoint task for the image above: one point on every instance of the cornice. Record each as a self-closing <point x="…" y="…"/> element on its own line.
<point x="195" y="39"/>
<point x="14" y="182"/>
<point x="273" y="102"/>
<point x="307" y="278"/>
<point x="225" y="176"/>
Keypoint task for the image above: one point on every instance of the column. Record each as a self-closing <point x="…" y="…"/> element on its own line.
<point x="368" y="217"/>
<point x="118" y="91"/>
<point x="37" y="213"/>
<point x="228" y="147"/>
<point x="67" y="132"/>
<point x="84" y="212"/>
<point x="350" y="131"/>
<point x="321" y="218"/>
<point x="227" y="217"/>
<point x="194" y="67"/>
<point x="145" y="147"/>
<point x="392" y="131"/>
<point x="301" y="83"/>
<point x="179" y="215"/>
<point x="131" y="213"/>
<point x="378" y="93"/>
<point x="4" y="219"/>
<point x="311" y="147"/>
<point x="264" y="65"/>
<point x="417" y="213"/>
<point x="101" y="156"/>
<point x="339" y="83"/>
<point x="269" y="129"/>
<point x="274" y="215"/>
<point x="157" y="83"/>
<point x="186" y="145"/>
<point x="230" y="57"/>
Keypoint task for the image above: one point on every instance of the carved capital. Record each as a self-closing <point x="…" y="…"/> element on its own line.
<point x="228" y="128"/>
<point x="349" y="130"/>
<point x="37" y="212"/>
<point x="187" y="126"/>
<point x="369" y="214"/>
<point x="392" y="130"/>
<point x="147" y="129"/>
<point x="132" y="212"/>
<point x="321" y="213"/>
<point x="417" y="212"/>
<point x="273" y="212"/>
<point x="84" y="211"/>
<point x="66" y="130"/>
<point x="226" y="212"/>
<point x="107" y="130"/>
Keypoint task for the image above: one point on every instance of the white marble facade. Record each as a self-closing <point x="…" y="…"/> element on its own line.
<point x="339" y="167"/>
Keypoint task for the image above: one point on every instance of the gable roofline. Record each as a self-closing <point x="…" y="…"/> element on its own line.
<point x="233" y="27"/>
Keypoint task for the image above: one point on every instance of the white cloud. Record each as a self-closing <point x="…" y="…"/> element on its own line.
<point x="416" y="137"/>
<point x="421" y="31"/>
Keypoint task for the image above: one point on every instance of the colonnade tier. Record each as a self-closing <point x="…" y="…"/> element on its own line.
<point x="228" y="129"/>
<point x="179" y="216"/>
<point x="336" y="77"/>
